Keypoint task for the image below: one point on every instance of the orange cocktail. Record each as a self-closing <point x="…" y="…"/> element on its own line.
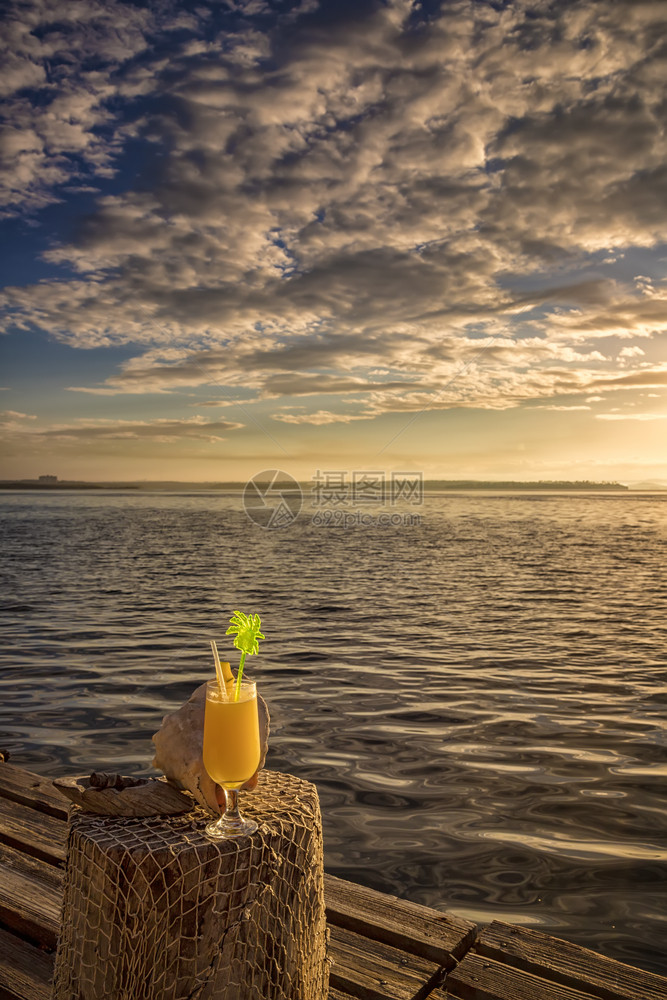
<point x="231" y="736"/>
<point x="231" y="751"/>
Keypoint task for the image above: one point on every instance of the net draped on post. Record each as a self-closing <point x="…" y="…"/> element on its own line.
<point x="153" y="910"/>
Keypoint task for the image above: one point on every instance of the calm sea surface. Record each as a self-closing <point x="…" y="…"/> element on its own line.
<point x="480" y="699"/>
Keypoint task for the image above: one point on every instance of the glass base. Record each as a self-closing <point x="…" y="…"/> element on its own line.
<point x="227" y="826"/>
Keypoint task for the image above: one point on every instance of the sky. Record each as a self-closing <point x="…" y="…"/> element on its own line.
<point x="332" y="235"/>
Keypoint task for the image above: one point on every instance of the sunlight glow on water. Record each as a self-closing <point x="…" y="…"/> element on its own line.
<point x="480" y="699"/>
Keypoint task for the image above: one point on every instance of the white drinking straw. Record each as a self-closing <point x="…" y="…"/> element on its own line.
<point x="218" y="670"/>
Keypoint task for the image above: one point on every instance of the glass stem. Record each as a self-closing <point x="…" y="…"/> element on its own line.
<point x="232" y="813"/>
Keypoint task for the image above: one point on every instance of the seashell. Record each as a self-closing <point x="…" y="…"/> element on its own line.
<point x="125" y="797"/>
<point x="178" y="748"/>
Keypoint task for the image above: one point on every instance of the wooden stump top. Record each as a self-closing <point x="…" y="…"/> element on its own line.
<point x="154" y="909"/>
<point x="279" y="803"/>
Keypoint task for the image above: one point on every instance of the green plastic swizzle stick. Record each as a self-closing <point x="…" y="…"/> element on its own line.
<point x="246" y="639"/>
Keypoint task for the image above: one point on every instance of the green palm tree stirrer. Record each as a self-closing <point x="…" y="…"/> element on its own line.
<point x="246" y="639"/>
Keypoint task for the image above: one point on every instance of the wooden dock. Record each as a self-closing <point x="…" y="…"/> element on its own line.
<point x="382" y="948"/>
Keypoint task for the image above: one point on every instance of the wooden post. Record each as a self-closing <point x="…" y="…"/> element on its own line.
<point x="153" y="910"/>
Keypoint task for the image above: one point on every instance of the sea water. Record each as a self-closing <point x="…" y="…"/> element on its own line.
<point x="479" y="697"/>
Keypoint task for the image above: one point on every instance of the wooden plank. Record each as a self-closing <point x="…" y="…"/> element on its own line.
<point x="568" y="964"/>
<point x="32" y="822"/>
<point x="480" y="978"/>
<point x="35" y="833"/>
<point x="371" y="970"/>
<point x="31" y="790"/>
<point x="25" y="971"/>
<point x="419" y="930"/>
<point x="31" y="894"/>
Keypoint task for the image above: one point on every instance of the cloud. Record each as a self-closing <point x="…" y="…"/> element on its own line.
<point x="625" y="316"/>
<point x="544" y="406"/>
<point x="653" y="377"/>
<point x="296" y="384"/>
<point x="59" y="63"/>
<point x="321" y="417"/>
<point x="631" y="352"/>
<point x="10" y="416"/>
<point x="631" y="416"/>
<point x="498" y="375"/>
<point x="334" y="196"/>
<point x="157" y="430"/>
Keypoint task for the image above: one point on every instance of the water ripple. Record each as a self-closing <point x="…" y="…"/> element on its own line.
<point x="480" y="700"/>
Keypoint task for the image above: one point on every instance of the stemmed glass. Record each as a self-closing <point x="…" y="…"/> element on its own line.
<point x="231" y="752"/>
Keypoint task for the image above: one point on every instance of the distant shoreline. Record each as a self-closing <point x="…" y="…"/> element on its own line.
<point x="430" y="486"/>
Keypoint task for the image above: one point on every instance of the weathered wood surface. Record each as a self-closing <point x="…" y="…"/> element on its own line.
<point x="367" y="968"/>
<point x="479" y="978"/>
<point x="30" y="897"/>
<point x="154" y="910"/>
<point x="420" y="930"/>
<point x="510" y="963"/>
<point x="568" y="964"/>
<point x="32" y="790"/>
<point x="350" y="908"/>
<point x="25" y="971"/>
<point x="20" y="825"/>
<point x="380" y="946"/>
<point x="150" y="797"/>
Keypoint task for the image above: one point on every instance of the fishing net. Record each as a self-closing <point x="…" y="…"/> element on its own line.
<point x="153" y="910"/>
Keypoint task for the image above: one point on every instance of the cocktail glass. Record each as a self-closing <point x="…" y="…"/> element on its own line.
<point x="231" y="753"/>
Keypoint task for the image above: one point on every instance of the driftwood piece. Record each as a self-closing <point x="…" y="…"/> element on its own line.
<point x="153" y="910"/>
<point x="102" y="779"/>
<point x="179" y="743"/>
<point x="139" y="797"/>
